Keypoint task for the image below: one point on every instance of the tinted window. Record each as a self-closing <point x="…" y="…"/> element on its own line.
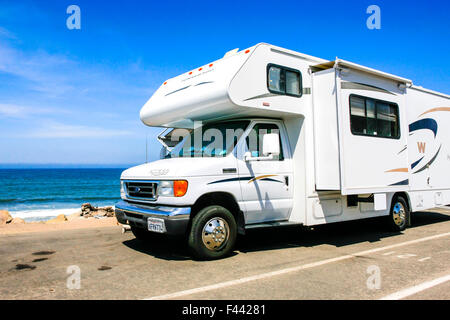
<point x="292" y="83"/>
<point x="275" y="81"/>
<point x="387" y="120"/>
<point x="374" y="117"/>
<point x="283" y="80"/>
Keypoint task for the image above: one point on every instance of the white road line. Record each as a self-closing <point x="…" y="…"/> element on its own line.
<point x="288" y="270"/>
<point x="413" y="290"/>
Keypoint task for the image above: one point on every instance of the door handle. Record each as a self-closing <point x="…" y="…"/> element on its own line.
<point x="286" y="180"/>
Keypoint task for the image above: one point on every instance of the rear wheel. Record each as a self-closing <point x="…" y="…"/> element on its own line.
<point x="399" y="214"/>
<point x="213" y="233"/>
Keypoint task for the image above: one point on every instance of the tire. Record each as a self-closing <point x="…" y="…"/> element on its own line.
<point x="399" y="214"/>
<point x="213" y="233"/>
<point x="143" y="235"/>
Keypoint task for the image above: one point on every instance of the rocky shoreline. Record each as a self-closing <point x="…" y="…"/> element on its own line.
<point x="88" y="216"/>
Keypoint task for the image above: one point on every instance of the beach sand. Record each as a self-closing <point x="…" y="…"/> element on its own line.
<point x="78" y="223"/>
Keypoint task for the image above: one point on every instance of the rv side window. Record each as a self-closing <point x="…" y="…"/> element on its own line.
<point x="371" y="117"/>
<point x="292" y="83"/>
<point x="276" y="83"/>
<point x="283" y="80"/>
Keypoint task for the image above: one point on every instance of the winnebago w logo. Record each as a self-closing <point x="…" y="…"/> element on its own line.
<point x="425" y="160"/>
<point x="421" y="146"/>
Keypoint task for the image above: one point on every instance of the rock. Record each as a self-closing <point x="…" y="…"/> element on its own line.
<point x="58" y="219"/>
<point x="87" y="210"/>
<point x="106" y="212"/>
<point x="17" y="221"/>
<point x="5" y="217"/>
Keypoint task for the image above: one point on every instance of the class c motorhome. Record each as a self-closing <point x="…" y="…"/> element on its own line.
<point x="340" y="142"/>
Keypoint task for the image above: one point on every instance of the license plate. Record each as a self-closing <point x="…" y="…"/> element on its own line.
<point x="156" y="225"/>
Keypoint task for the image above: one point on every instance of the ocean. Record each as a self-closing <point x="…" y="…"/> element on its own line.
<point x="41" y="194"/>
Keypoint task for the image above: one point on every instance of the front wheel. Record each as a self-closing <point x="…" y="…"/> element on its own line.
<point x="213" y="233"/>
<point x="399" y="214"/>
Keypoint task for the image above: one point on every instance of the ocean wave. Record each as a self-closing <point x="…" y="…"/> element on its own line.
<point x="7" y="200"/>
<point x="43" y="214"/>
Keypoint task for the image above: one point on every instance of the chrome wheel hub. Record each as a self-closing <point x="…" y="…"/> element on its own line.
<point x="215" y="234"/>
<point x="399" y="214"/>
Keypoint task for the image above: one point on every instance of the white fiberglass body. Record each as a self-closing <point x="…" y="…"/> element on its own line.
<point x="329" y="171"/>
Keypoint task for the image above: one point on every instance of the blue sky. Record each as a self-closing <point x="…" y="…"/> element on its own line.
<point x="73" y="96"/>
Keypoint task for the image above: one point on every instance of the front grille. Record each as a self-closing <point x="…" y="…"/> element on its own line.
<point x="141" y="190"/>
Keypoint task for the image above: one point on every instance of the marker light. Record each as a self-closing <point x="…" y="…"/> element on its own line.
<point x="180" y="188"/>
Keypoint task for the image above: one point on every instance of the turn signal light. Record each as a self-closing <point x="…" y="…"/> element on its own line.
<point x="180" y="188"/>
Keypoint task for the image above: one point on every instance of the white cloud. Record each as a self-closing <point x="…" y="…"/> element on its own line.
<point x="57" y="75"/>
<point x="10" y="110"/>
<point x="47" y="73"/>
<point x="59" y="130"/>
<point x="19" y="111"/>
<point x="48" y="87"/>
<point x="45" y="128"/>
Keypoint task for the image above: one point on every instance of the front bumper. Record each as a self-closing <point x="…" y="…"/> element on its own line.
<point x="176" y="219"/>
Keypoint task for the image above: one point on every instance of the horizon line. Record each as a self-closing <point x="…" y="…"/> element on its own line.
<point x="65" y="165"/>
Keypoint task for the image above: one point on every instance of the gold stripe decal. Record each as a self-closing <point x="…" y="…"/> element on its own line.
<point x="436" y="109"/>
<point x="398" y="170"/>
<point x="262" y="177"/>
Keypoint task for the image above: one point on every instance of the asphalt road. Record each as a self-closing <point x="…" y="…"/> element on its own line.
<point x="352" y="260"/>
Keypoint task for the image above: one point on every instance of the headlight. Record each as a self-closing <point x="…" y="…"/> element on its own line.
<point x="176" y="188"/>
<point x="122" y="190"/>
<point x="165" y="188"/>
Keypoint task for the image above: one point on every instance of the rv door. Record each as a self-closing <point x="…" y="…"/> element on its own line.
<point x="265" y="180"/>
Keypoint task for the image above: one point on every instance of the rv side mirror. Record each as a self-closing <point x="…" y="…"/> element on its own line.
<point x="271" y="144"/>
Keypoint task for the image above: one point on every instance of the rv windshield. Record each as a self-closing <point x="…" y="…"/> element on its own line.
<point x="210" y="140"/>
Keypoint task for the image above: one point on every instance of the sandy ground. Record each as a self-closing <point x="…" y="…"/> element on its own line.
<point x="78" y="223"/>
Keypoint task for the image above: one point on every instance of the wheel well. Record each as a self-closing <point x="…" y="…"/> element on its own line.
<point x="223" y="199"/>
<point x="405" y="196"/>
<point x="408" y="203"/>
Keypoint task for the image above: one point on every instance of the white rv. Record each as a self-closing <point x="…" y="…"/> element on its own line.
<point x="340" y="142"/>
